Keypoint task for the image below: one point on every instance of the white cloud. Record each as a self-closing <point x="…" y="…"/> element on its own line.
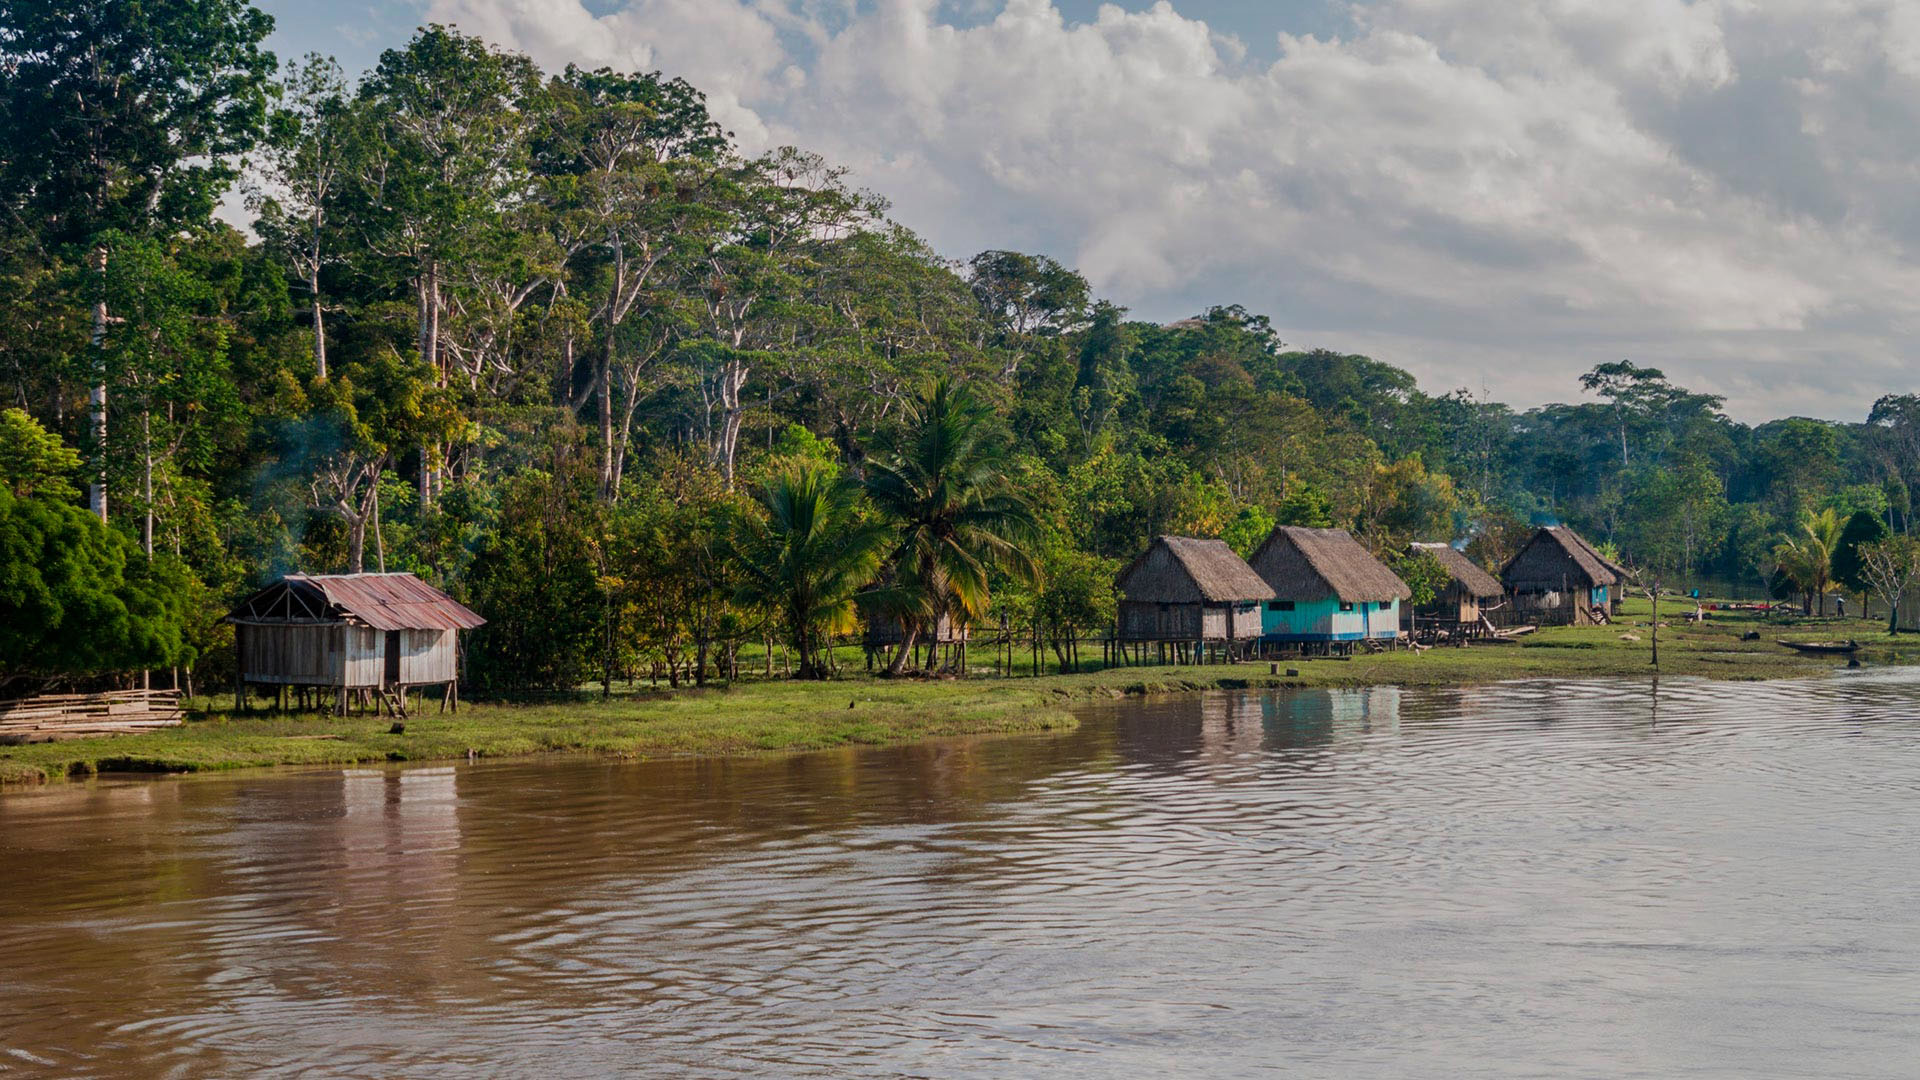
<point x="1485" y="191"/>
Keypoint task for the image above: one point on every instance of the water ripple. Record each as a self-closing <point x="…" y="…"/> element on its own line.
<point x="1622" y="878"/>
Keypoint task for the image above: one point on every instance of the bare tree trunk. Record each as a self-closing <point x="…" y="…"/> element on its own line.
<point x="356" y="544"/>
<point x="603" y="389"/>
<point x="319" y="320"/>
<point x="429" y="309"/>
<point x="733" y="377"/>
<point x="97" y="491"/>
<point x="146" y="481"/>
<point x="379" y="539"/>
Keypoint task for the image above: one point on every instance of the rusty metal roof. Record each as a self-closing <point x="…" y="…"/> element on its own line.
<point x="382" y="601"/>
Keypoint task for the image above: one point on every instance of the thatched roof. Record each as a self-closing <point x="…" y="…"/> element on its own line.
<point x="1465" y="572"/>
<point x="1557" y="544"/>
<point x="1183" y="570"/>
<point x="1313" y="564"/>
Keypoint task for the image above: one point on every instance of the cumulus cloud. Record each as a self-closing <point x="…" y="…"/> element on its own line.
<point x="1493" y="193"/>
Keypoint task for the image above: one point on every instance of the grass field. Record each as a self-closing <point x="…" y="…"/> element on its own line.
<point x="761" y="715"/>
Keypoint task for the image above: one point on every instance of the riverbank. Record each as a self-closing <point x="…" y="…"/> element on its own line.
<point x="778" y="715"/>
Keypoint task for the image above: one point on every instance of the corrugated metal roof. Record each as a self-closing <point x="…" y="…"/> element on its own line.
<point x="392" y="601"/>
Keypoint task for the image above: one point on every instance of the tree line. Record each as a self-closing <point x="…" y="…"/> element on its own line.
<point x="551" y="341"/>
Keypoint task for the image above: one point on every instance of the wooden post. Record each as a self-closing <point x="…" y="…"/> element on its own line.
<point x="1653" y="594"/>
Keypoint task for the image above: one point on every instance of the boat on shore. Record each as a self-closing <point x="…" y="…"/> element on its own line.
<point x="1824" y="647"/>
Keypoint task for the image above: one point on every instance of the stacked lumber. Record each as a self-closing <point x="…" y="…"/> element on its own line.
<point x="72" y="716"/>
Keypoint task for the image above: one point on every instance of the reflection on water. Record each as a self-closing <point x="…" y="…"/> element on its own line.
<point x="1598" y="879"/>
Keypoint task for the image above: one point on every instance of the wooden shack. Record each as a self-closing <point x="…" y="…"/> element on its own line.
<point x="1461" y="608"/>
<point x="1329" y="592"/>
<point x="882" y="632"/>
<point x="1189" y="595"/>
<point x="367" y="636"/>
<point x="1558" y="579"/>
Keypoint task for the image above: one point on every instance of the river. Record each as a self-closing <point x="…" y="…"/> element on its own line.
<point x="1606" y="879"/>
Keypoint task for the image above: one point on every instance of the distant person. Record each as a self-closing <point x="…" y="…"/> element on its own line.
<point x="1840" y="605"/>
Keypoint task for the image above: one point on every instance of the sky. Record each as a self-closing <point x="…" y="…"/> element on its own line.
<point x="1493" y="194"/>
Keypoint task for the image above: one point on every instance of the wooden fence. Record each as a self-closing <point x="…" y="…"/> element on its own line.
<point x="73" y="716"/>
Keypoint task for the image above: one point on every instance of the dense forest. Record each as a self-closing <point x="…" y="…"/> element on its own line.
<point x="552" y="342"/>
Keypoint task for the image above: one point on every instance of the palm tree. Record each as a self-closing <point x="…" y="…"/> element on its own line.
<point x="805" y="556"/>
<point x="1807" y="558"/>
<point x="943" y="484"/>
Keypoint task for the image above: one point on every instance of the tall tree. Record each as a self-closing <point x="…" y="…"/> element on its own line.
<point x="777" y="212"/>
<point x="1807" y="556"/>
<point x="631" y="155"/>
<point x="126" y="116"/>
<point x="1026" y="297"/>
<point x="805" y="555"/>
<point x="308" y="150"/>
<point x="943" y="482"/>
<point x="1890" y="567"/>
<point x="434" y="188"/>
<point x="167" y="352"/>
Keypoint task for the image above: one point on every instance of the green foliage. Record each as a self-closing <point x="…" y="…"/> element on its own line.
<point x="126" y="115"/>
<point x="1305" y="506"/>
<point x="34" y="461"/>
<point x="78" y="599"/>
<point x="1890" y="566"/>
<point x="1806" y="557"/>
<point x="528" y="335"/>
<point x="1424" y="575"/>
<point x="805" y="555"/>
<point x="1248" y="529"/>
<point x="1863" y="529"/>
<point x="535" y="582"/>
<point x="943" y="484"/>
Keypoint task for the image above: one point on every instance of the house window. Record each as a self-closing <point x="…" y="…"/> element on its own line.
<point x="1344" y="606"/>
<point x="1279" y="605"/>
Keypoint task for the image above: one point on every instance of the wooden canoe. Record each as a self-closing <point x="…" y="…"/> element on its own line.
<point x="1840" y="647"/>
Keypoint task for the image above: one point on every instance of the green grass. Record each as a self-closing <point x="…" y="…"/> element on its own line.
<point x="759" y="715"/>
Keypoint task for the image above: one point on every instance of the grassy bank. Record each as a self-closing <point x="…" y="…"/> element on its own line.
<point x="759" y="716"/>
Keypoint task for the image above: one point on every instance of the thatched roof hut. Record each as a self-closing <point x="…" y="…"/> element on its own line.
<point x="1183" y="570"/>
<point x="1184" y="589"/>
<point x="1466" y="575"/>
<point x="1555" y="557"/>
<point x="1303" y="564"/>
<point x="1460" y="607"/>
<point x="1558" y="578"/>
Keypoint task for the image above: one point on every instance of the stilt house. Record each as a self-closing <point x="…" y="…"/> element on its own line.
<point x="883" y="632"/>
<point x="350" y="632"/>
<point x="1461" y="606"/>
<point x="1328" y="590"/>
<point x="1190" y="592"/>
<point x="1558" y="579"/>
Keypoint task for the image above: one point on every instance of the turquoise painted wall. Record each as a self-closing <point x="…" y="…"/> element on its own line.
<point x="1322" y="620"/>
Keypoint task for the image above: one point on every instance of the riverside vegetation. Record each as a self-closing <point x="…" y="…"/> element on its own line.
<point x="760" y="715"/>
<point x="652" y="404"/>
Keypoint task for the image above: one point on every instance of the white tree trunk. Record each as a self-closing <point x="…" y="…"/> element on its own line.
<point x="97" y="490"/>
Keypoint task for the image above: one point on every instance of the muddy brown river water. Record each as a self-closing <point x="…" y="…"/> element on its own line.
<point x="1604" y="879"/>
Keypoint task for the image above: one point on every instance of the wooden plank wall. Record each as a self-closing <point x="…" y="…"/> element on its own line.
<point x="300" y="654"/>
<point x="366" y="661"/>
<point x="427" y="656"/>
